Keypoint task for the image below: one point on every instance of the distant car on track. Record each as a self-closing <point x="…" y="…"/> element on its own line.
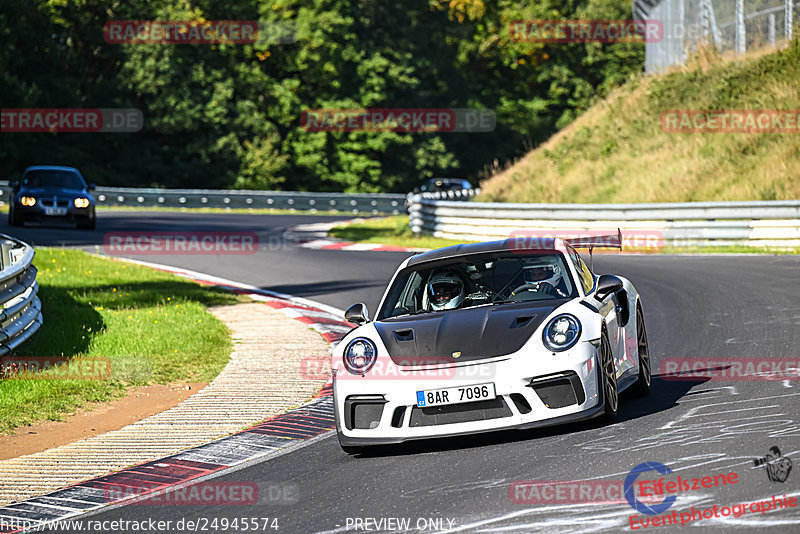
<point x="490" y="336"/>
<point x="52" y="193"/>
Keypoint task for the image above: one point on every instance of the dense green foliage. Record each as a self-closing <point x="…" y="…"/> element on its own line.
<point x="228" y="115"/>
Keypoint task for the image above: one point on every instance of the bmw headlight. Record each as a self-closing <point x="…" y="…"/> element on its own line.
<point x="81" y="202"/>
<point x="562" y="332"/>
<point x="360" y="355"/>
<point x="27" y="201"/>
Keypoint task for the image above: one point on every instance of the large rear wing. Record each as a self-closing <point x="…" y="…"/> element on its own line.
<point x="598" y="241"/>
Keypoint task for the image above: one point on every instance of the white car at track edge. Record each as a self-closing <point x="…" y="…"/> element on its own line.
<point x="489" y="336"/>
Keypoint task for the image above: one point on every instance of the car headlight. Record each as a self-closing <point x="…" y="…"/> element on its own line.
<point x="360" y="355"/>
<point x="81" y="202"/>
<point x="27" y="201"/>
<point x="562" y="332"/>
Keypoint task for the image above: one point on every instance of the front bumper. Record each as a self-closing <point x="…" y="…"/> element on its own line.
<point x="37" y="213"/>
<point x="532" y="390"/>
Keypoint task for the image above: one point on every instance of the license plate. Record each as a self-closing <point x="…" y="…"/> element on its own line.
<point x="55" y="211"/>
<point x="455" y="395"/>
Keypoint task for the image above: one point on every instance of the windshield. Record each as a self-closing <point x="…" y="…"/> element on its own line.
<point x="486" y="279"/>
<point x="53" y="178"/>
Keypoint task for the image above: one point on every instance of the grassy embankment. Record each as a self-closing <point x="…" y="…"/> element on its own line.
<point x="618" y="152"/>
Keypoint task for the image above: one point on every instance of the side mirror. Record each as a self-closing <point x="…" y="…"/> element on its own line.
<point x="92" y="187"/>
<point x="607" y="284"/>
<point x="357" y="314"/>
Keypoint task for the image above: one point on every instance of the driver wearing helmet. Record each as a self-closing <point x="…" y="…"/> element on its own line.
<point x="545" y="278"/>
<point x="445" y="290"/>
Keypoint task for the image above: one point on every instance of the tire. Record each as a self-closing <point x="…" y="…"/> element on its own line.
<point x="642" y="385"/>
<point x="13" y="220"/>
<point x="609" y="375"/>
<point x="88" y="224"/>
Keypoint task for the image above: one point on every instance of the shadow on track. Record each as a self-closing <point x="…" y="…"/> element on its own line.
<point x="320" y="288"/>
<point x="664" y="394"/>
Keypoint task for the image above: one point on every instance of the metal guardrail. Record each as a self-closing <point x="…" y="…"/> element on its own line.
<point x="748" y="223"/>
<point x="20" y="308"/>
<point x="372" y="203"/>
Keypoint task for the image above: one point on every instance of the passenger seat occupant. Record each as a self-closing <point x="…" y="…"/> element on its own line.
<point x="445" y="290"/>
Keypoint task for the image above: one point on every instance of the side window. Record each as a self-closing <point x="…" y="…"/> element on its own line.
<point x="411" y="294"/>
<point x="585" y="275"/>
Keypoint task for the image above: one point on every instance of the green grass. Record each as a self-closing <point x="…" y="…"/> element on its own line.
<point x="618" y="152"/>
<point x="152" y="326"/>
<point x="395" y="231"/>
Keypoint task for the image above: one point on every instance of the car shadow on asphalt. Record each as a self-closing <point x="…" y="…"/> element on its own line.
<point x="664" y="395"/>
<point x="321" y="288"/>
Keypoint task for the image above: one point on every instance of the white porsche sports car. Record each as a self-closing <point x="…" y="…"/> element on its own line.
<point x="489" y="336"/>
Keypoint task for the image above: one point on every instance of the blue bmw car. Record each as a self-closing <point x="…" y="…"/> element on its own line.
<point x="49" y="193"/>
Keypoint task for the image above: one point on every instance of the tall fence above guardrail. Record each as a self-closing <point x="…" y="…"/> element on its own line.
<point x="773" y="224"/>
<point x="134" y="197"/>
<point x="20" y="307"/>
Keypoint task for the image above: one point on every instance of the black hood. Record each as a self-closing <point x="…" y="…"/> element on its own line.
<point x="477" y="333"/>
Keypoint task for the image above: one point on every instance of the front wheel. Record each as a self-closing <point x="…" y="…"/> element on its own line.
<point x="642" y="385"/>
<point x="13" y="220"/>
<point x="88" y="224"/>
<point x="609" y="374"/>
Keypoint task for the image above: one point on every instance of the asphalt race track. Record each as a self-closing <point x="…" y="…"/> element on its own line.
<point x="696" y="307"/>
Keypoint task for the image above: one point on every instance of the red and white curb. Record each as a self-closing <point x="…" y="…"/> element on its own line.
<point x="335" y="244"/>
<point x="277" y="434"/>
<point x="315" y="236"/>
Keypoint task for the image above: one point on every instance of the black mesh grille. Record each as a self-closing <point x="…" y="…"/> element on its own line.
<point x="561" y="391"/>
<point x="459" y="413"/>
<point x="367" y="415"/>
